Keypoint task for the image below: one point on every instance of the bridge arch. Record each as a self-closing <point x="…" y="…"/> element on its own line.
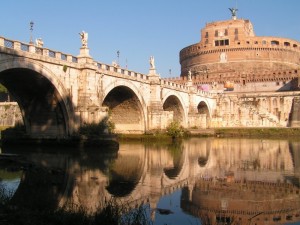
<point x="125" y="178"/>
<point x="180" y="174"/>
<point x="44" y="102"/>
<point x="174" y="102"/>
<point x="204" y="111"/>
<point x="178" y="153"/>
<point x="127" y="107"/>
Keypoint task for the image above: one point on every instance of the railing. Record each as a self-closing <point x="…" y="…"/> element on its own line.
<point x="25" y="47"/>
<point x="120" y="71"/>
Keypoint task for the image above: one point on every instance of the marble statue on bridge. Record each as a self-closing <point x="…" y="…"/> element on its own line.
<point x="39" y="42"/>
<point x="84" y="38"/>
<point x="152" y="65"/>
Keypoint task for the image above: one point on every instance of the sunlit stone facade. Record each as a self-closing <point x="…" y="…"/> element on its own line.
<point x="230" y="56"/>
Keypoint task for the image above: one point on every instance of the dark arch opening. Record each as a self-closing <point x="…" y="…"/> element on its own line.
<point x="178" y="160"/>
<point x="124" y="176"/>
<point x="40" y="104"/>
<point x="125" y="110"/>
<point x="173" y="104"/>
<point x="204" y="114"/>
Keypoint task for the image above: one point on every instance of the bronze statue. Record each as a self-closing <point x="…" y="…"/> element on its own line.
<point x="233" y="11"/>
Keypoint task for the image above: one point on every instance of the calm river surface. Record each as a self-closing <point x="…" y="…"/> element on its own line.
<point x="196" y="181"/>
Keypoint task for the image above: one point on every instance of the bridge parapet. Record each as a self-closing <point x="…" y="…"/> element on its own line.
<point x="175" y="85"/>
<point x="117" y="71"/>
<point x="25" y="47"/>
<point x="102" y="68"/>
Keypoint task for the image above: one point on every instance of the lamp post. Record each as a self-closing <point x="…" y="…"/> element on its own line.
<point x="31" y="29"/>
<point x="118" y="55"/>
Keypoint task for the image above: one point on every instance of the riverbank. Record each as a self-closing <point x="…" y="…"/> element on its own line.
<point x="218" y="132"/>
<point x="258" y="132"/>
<point x="161" y="136"/>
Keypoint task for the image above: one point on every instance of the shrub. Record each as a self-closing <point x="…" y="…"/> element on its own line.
<point x="175" y="130"/>
<point x="96" y="129"/>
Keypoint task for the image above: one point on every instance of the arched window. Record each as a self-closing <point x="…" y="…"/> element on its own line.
<point x="274" y="42"/>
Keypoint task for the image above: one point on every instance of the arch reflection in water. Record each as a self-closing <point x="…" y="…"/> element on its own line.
<point x="235" y="181"/>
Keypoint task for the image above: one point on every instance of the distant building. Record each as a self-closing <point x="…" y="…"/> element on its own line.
<point x="230" y="57"/>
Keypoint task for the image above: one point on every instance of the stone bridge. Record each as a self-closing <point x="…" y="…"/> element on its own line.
<point x="57" y="93"/>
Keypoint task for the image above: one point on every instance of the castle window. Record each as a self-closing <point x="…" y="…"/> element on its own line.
<point x="264" y="42"/>
<point x="294" y="45"/>
<point x="287" y="44"/>
<point x="206" y="35"/>
<point x="236" y="31"/>
<point x="274" y="42"/>
<point x="226" y="32"/>
<point x="221" y="42"/>
<point x="216" y="33"/>
<point x="256" y="42"/>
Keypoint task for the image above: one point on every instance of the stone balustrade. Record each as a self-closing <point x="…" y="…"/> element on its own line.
<point x="105" y="68"/>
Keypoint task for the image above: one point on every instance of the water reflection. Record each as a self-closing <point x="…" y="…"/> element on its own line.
<point x="220" y="181"/>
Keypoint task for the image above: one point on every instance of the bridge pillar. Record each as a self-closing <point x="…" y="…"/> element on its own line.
<point x="194" y="118"/>
<point x="295" y="113"/>
<point x="158" y="118"/>
<point x="88" y="107"/>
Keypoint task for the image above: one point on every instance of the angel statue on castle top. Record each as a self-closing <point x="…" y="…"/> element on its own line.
<point x="233" y="12"/>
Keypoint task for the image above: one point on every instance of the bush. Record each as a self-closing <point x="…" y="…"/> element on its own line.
<point x="97" y="129"/>
<point x="175" y="130"/>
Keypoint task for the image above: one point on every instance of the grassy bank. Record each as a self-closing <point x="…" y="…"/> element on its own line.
<point x="217" y="132"/>
<point x="258" y="132"/>
<point x="162" y="137"/>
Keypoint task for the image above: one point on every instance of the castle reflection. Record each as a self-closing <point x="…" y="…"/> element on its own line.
<point x="223" y="181"/>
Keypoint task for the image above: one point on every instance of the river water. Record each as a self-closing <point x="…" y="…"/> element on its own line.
<point x="195" y="181"/>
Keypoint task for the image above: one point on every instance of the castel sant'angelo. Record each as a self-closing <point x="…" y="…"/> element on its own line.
<point x="256" y="78"/>
<point x="231" y="57"/>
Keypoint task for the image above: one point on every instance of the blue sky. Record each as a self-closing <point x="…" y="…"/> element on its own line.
<point x="139" y="28"/>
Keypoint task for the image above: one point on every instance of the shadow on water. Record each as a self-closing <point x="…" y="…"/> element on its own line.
<point x="196" y="181"/>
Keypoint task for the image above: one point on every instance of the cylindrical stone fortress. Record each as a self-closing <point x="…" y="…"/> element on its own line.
<point x="229" y="51"/>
